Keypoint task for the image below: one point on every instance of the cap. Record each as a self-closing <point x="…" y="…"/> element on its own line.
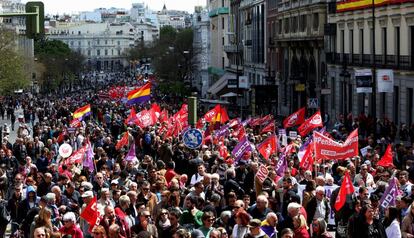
<point x="367" y="162"/>
<point x="254" y="222"/>
<point x="87" y="185"/>
<point x="114" y="182"/>
<point x="87" y="194"/>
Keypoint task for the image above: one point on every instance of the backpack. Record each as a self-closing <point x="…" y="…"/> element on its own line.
<point x="147" y="138"/>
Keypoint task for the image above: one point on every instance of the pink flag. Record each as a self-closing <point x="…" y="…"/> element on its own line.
<point x="88" y="163"/>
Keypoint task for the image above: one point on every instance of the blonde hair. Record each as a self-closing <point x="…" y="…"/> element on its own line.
<point x="300" y="219"/>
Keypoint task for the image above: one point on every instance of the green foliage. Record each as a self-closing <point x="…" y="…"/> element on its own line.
<point x="61" y="63"/>
<point x="12" y="72"/>
<point x="171" y="57"/>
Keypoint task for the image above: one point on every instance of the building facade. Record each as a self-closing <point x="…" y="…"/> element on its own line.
<point x="104" y="45"/>
<point x="351" y="42"/>
<point x="300" y="43"/>
<point x="201" y="25"/>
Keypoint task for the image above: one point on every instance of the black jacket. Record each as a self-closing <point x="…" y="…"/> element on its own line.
<point x="311" y="209"/>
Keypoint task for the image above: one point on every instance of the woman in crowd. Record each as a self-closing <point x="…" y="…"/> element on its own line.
<point x="367" y="226"/>
<point x="392" y="222"/>
<point x="319" y="229"/>
<point x="242" y="221"/>
<point x="300" y="227"/>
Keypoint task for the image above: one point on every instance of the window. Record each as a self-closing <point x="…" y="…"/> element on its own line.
<point x="106" y="42"/>
<point x="79" y="32"/>
<point x="286" y="26"/>
<point x="222" y="41"/>
<point x="222" y="23"/>
<point x="112" y="52"/>
<point x="98" y="52"/>
<point x="89" y="43"/>
<point x="97" y="42"/>
<point x="79" y="43"/>
<point x="342" y="41"/>
<point x="280" y="27"/>
<point x="302" y="23"/>
<point x="222" y="3"/>
<point x="106" y="52"/>
<point x="119" y="52"/>
<point x="222" y="62"/>
<point x="384" y="42"/>
<point x="294" y="24"/>
<point x="396" y="104"/>
<point x="410" y="105"/>
<point x="89" y="52"/>
<point x="71" y="43"/>
<point x="351" y="44"/>
<point x="361" y="41"/>
<point x="397" y="44"/>
<point x="119" y="43"/>
<point x="315" y="21"/>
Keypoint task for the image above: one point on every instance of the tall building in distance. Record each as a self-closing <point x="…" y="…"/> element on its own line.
<point x="201" y="39"/>
<point x="357" y="39"/>
<point x="103" y="44"/>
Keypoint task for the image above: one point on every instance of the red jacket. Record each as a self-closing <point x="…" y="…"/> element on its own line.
<point x="301" y="233"/>
<point x="74" y="231"/>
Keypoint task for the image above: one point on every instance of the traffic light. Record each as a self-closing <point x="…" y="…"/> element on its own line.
<point x="35" y="19"/>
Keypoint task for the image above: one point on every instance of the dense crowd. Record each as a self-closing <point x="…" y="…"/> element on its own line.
<point x="174" y="191"/>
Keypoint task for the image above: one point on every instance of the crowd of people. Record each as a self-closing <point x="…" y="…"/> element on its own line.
<point x="174" y="191"/>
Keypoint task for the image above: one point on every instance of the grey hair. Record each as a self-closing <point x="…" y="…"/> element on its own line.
<point x="322" y="225"/>
<point x="69" y="216"/>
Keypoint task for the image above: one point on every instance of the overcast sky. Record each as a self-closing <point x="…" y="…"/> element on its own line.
<point x="73" y="6"/>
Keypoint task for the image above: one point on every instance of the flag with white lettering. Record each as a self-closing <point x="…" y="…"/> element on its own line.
<point x="388" y="199"/>
<point x="242" y="147"/>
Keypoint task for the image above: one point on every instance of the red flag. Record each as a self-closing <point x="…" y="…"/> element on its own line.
<point x="75" y="123"/>
<point x="311" y="123"/>
<point x="307" y="160"/>
<point x="156" y="109"/>
<point x="346" y="189"/>
<point x="200" y="123"/>
<point x="91" y="214"/>
<point x="327" y="148"/>
<point x="132" y="117"/>
<point x="122" y="142"/>
<point x="145" y="118"/>
<point x="163" y="116"/>
<point x="386" y="160"/>
<point x="211" y="115"/>
<point x="62" y="135"/>
<point x="222" y="116"/>
<point x="294" y="119"/>
<point x="77" y="157"/>
<point x="269" y="128"/>
<point x="268" y="146"/>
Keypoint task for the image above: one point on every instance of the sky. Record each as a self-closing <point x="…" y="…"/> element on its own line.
<point x="73" y="6"/>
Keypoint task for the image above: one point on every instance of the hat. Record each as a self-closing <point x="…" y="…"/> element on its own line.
<point x="87" y="185"/>
<point x="254" y="222"/>
<point x="367" y="162"/>
<point x="197" y="234"/>
<point x="87" y="194"/>
<point x="114" y="182"/>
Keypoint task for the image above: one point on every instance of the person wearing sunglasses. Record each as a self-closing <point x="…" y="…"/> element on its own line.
<point x="99" y="232"/>
<point x="208" y="220"/>
<point x="145" y="224"/>
<point x="69" y="226"/>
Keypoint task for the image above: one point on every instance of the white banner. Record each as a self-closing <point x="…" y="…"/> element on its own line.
<point x="385" y="80"/>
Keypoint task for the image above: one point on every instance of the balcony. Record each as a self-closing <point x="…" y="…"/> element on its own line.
<point x="381" y="61"/>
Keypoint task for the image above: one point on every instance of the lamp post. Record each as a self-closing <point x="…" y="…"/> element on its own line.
<point x="374" y="98"/>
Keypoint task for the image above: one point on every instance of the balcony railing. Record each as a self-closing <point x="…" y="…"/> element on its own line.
<point x="381" y="61"/>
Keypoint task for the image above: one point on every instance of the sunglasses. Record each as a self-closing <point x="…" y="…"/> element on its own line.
<point x="164" y="213"/>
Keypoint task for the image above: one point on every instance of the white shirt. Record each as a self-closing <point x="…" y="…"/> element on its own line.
<point x="196" y="178"/>
<point x="393" y="230"/>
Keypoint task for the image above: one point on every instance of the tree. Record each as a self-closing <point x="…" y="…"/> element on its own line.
<point x="61" y="64"/>
<point x="12" y="73"/>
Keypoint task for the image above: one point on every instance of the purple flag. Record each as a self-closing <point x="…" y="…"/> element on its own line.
<point x="242" y="147"/>
<point x="281" y="165"/>
<point x="89" y="159"/>
<point x="388" y="199"/>
<point x="131" y="154"/>
<point x="223" y="131"/>
<point x="246" y="122"/>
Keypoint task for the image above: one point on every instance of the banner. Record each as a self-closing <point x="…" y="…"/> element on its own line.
<point x="326" y="148"/>
<point x="311" y="123"/>
<point x="262" y="173"/>
<point x="363" y="78"/>
<point x="385" y="80"/>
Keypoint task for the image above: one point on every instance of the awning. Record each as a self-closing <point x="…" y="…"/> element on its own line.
<point x="229" y="95"/>
<point x="221" y="83"/>
<point x="214" y="101"/>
